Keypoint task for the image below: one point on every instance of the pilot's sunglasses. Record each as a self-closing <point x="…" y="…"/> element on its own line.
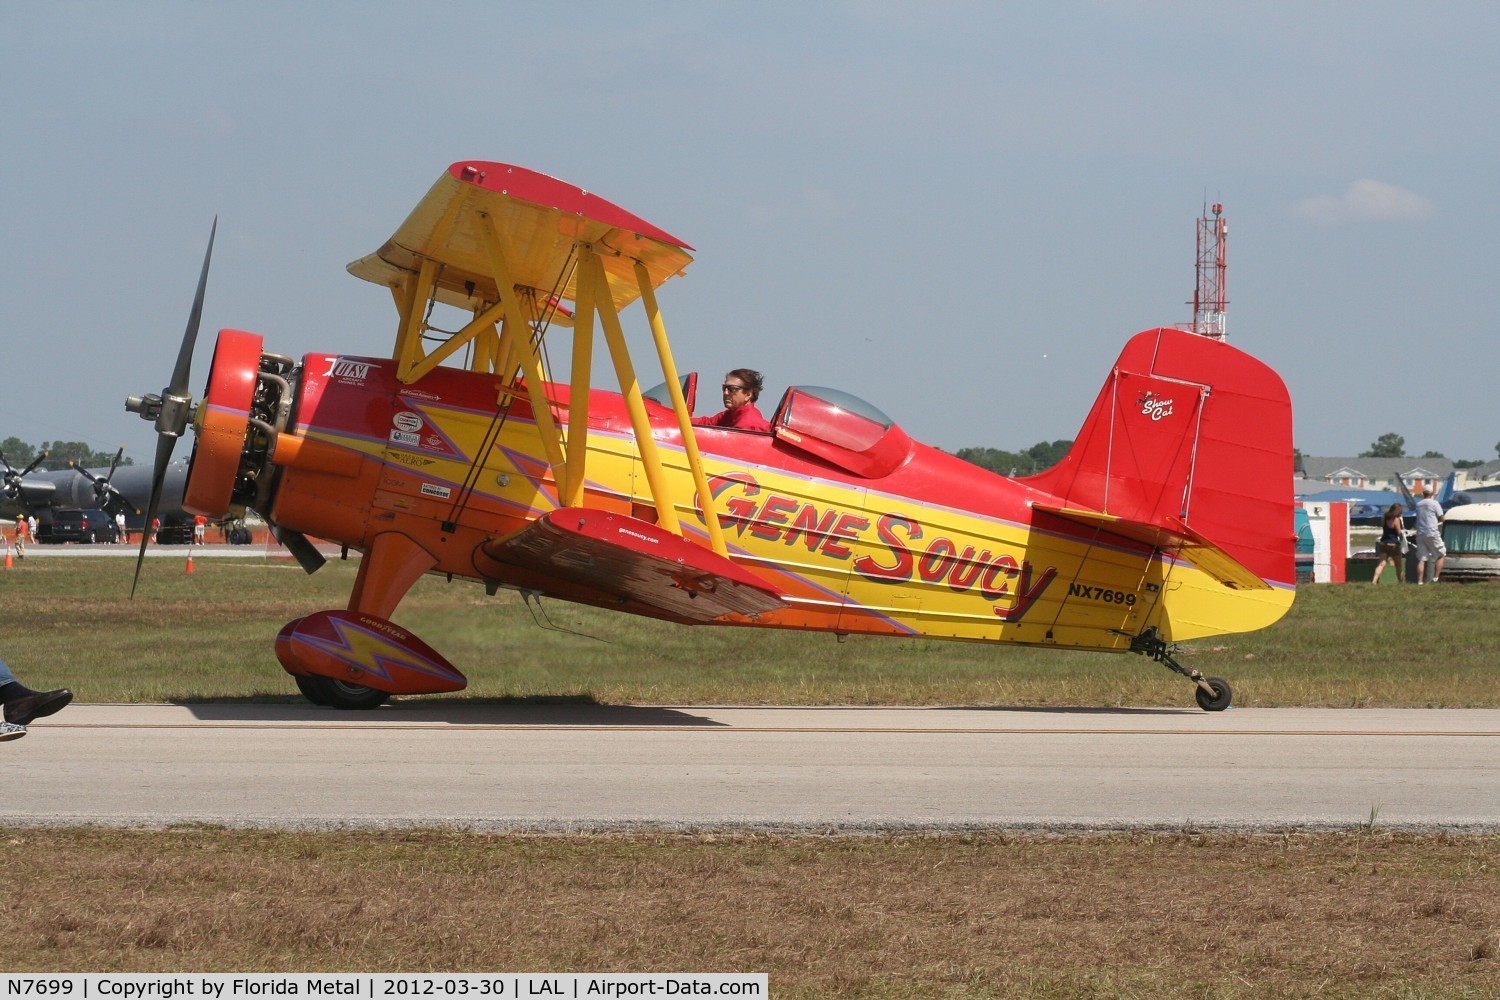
<point x="733" y="388"/>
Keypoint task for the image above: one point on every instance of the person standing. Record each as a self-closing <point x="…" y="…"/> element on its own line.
<point x="122" y="534"/>
<point x="1391" y="545"/>
<point x="1429" y="537"/>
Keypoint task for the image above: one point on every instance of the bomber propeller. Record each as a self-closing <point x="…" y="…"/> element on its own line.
<point x="105" y="495"/>
<point x="173" y="409"/>
<point x="16" y="489"/>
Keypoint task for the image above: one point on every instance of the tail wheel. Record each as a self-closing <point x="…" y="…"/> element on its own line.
<point x="1219" y="700"/>
<point x="222" y="420"/>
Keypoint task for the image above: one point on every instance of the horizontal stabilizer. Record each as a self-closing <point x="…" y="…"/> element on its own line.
<point x="635" y="560"/>
<point x="1175" y="539"/>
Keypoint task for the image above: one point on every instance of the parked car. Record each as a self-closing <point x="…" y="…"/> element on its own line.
<point x="82" y="526"/>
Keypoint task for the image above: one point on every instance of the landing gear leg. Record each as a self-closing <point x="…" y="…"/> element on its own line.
<point x="1213" y="693"/>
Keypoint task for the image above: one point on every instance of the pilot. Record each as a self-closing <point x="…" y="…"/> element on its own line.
<point x="741" y="390"/>
<point x="22" y="704"/>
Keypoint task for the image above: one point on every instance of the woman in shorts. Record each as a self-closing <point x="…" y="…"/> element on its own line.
<point x="1389" y="546"/>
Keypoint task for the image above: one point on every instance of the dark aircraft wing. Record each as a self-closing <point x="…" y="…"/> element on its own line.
<point x="634" y="560"/>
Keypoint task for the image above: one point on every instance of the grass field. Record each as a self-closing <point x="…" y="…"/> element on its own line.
<point x="1367" y="913"/>
<point x="208" y="635"/>
<point x="1359" y="915"/>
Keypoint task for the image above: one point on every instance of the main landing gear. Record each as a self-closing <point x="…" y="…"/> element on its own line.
<point x="1213" y="693"/>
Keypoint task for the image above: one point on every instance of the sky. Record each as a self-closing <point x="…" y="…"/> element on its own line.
<point x="957" y="211"/>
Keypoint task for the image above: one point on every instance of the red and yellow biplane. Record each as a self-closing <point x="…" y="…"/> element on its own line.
<point x="1170" y="519"/>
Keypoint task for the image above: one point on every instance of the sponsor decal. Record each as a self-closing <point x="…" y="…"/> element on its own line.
<point x="347" y="370"/>
<point x="414" y="461"/>
<point x="434" y="490"/>
<point x="1154" y="406"/>
<point x="430" y="397"/>
<point x="406" y="438"/>
<point x="406" y="420"/>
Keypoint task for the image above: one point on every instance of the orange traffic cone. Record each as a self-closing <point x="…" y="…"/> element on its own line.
<point x="7" y="555"/>
<point x="190" y="560"/>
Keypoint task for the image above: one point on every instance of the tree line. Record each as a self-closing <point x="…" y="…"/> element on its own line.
<point x="1038" y="458"/>
<point x="1044" y="455"/>
<point x="59" y="453"/>
<point x="1393" y="445"/>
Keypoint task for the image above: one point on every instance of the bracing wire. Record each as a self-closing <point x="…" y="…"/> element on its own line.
<point x="546" y="623"/>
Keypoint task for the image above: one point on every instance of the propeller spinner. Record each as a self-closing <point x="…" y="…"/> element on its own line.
<point x="173" y="409"/>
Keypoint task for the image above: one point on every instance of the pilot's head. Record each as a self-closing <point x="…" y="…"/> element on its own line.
<point x="741" y="386"/>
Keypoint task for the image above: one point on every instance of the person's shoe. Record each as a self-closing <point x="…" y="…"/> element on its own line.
<point x="10" y="731"/>
<point x="22" y="711"/>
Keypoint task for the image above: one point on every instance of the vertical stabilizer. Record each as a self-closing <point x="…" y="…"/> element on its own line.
<point x="1189" y="433"/>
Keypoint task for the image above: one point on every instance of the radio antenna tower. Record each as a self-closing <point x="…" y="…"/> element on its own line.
<point x="1210" y="296"/>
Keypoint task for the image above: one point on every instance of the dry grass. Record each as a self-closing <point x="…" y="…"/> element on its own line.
<point x="1364" y="914"/>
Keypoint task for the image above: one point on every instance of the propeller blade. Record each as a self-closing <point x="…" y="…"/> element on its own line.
<point x="115" y="464"/>
<point x="179" y="383"/>
<point x="164" y="446"/>
<point x="172" y="410"/>
<point x="306" y="554"/>
<point x="106" y="497"/>
<point x="34" y="463"/>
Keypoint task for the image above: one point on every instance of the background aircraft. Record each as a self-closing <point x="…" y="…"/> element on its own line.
<point x="125" y="487"/>
<point x="1368" y="507"/>
<point x="1170" y="518"/>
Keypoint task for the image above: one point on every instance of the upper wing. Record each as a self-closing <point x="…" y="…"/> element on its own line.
<point x="538" y="218"/>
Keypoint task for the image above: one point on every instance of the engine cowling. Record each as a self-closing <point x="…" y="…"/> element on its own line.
<point x="236" y="425"/>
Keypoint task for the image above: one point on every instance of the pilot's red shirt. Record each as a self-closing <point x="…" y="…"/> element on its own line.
<point x="745" y="418"/>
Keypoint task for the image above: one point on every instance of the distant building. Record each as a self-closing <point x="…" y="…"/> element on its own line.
<point x="1487" y="474"/>
<point x="1381" y="473"/>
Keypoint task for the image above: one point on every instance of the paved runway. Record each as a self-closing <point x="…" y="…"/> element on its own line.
<point x="563" y="768"/>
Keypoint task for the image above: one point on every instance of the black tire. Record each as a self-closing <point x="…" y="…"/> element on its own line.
<point x="312" y="692"/>
<point x="340" y="694"/>
<point x="1219" y="700"/>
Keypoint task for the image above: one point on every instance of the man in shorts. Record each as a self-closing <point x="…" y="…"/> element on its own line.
<point x="1429" y="537"/>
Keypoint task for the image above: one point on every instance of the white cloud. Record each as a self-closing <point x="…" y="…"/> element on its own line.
<point x="1365" y="201"/>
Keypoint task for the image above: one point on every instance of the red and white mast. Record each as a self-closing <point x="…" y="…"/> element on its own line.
<point x="1210" y="296"/>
